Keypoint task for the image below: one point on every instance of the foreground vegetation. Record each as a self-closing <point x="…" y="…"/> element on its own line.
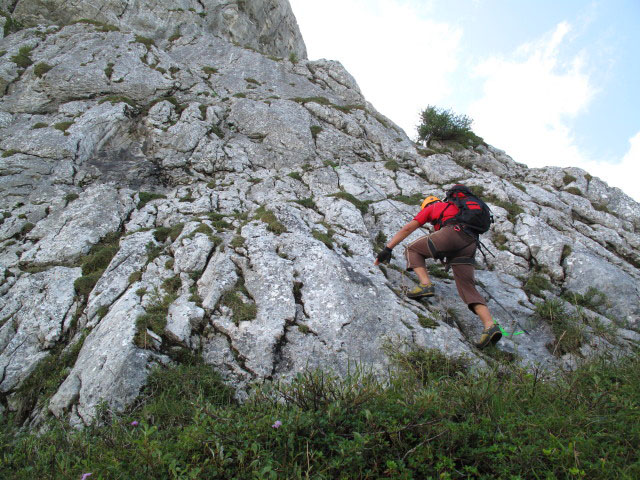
<point x="433" y="419"/>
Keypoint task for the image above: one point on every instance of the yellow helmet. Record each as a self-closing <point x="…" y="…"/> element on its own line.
<point x="429" y="200"/>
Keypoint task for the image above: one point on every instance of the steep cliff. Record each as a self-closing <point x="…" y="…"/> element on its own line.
<point x="163" y="197"/>
<point x="265" y="25"/>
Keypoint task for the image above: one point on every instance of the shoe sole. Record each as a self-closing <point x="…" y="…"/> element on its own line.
<point x="423" y="295"/>
<point x="495" y="338"/>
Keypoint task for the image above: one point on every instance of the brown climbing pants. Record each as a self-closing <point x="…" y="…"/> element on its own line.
<point x="453" y="244"/>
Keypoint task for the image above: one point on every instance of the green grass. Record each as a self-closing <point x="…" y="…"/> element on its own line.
<point x="237" y="242"/>
<point x="147" y="42"/>
<point x="567" y="179"/>
<point x="108" y="71"/>
<point x="592" y="299"/>
<point x="536" y="284"/>
<point x="155" y="317"/>
<point x="360" y="205"/>
<point x="392" y="165"/>
<point x="9" y="153"/>
<point x="63" y="126"/>
<point x="324" y="237"/>
<point x="115" y="99"/>
<point x="11" y="25"/>
<point x="566" y="328"/>
<point x="40" y="125"/>
<point x="45" y="380"/>
<point x="315" y="131"/>
<point x="268" y="217"/>
<point x="513" y="210"/>
<point x="162" y="233"/>
<point x="209" y="70"/>
<point x="146" y="197"/>
<point x="430" y="418"/>
<point x="242" y="310"/>
<point x="415" y="200"/>
<point x="574" y="191"/>
<point x="41" y="69"/>
<point x="101" y="26"/>
<point x="319" y="100"/>
<point x="380" y="241"/>
<point x="96" y="262"/>
<point x="307" y="203"/>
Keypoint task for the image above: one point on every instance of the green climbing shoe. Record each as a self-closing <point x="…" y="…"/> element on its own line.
<point x="492" y="335"/>
<point x="422" y="291"/>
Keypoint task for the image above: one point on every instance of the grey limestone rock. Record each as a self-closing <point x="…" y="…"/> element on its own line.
<point x="266" y="25"/>
<point x="34" y="314"/>
<point x="251" y="194"/>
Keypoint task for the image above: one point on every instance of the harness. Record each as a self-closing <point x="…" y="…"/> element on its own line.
<point x="448" y="258"/>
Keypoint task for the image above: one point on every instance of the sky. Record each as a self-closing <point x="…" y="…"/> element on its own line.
<point x="549" y="82"/>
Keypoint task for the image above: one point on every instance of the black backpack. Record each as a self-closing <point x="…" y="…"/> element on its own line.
<point x="474" y="216"/>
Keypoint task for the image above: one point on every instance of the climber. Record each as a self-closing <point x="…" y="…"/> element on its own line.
<point x="457" y="222"/>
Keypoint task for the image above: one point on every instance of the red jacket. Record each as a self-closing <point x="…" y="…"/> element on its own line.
<point x="431" y="213"/>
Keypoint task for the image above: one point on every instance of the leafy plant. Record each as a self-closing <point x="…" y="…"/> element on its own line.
<point x="536" y="283"/>
<point x="442" y="124"/>
<point x="23" y="59"/>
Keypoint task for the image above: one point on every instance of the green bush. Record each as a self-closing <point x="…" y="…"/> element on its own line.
<point x="23" y="59"/>
<point x="444" y="125"/>
<point x="536" y="284"/>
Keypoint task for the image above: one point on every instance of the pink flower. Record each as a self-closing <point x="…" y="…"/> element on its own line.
<point x="134" y="423"/>
<point x="277" y="424"/>
<point x="85" y="476"/>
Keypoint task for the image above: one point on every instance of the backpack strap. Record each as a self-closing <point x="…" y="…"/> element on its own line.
<point x="439" y="220"/>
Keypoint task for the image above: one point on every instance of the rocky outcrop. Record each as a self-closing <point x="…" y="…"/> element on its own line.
<point x="194" y="197"/>
<point x="265" y="25"/>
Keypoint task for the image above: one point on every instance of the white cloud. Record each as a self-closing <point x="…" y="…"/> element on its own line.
<point x="401" y="61"/>
<point x="624" y="174"/>
<point x="529" y="99"/>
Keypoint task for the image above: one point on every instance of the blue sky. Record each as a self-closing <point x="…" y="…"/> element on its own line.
<point x="551" y="83"/>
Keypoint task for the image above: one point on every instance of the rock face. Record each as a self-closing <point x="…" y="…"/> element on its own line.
<point x="190" y="196"/>
<point x="265" y="25"/>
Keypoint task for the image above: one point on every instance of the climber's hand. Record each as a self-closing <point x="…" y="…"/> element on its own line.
<point x="384" y="256"/>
